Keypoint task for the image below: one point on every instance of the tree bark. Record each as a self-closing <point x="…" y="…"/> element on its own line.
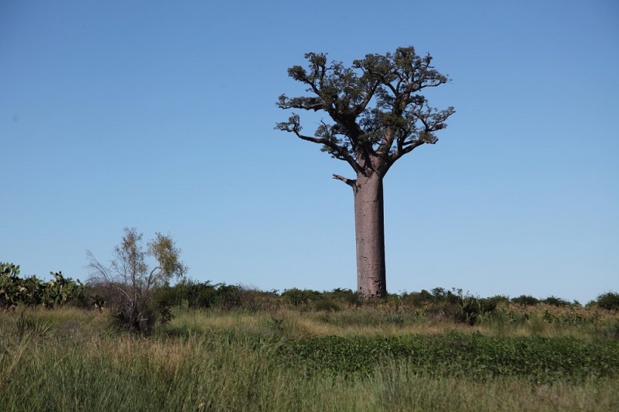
<point x="370" y="236"/>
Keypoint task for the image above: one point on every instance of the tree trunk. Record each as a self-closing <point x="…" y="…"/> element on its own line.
<point x="370" y="236"/>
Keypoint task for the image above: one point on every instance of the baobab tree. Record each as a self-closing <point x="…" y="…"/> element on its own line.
<point x="377" y="115"/>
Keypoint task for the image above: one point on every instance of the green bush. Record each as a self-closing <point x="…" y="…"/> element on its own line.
<point x="297" y="297"/>
<point x="228" y="296"/>
<point x="418" y="299"/>
<point x="525" y="300"/>
<point x="32" y="291"/>
<point x="345" y="296"/>
<point x="198" y="294"/>
<point x="326" y="305"/>
<point x="10" y="284"/>
<point x="61" y="291"/>
<point x="608" y="301"/>
<point x="555" y="301"/>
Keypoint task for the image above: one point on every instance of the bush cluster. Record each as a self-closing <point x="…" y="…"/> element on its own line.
<point x="608" y="301"/>
<point x="452" y="304"/>
<point x="527" y="300"/>
<point x="439" y="304"/>
<point x="191" y="294"/>
<point x="32" y="291"/>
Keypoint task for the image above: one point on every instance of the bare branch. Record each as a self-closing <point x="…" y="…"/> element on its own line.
<point x="293" y="126"/>
<point x="349" y="182"/>
<point x="101" y="274"/>
<point x="151" y="278"/>
<point x="404" y="148"/>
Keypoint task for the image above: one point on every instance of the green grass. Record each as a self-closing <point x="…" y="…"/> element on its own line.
<point x="351" y="360"/>
<point x="467" y="356"/>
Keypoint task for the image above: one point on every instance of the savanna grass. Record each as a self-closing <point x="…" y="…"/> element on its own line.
<point x="231" y="361"/>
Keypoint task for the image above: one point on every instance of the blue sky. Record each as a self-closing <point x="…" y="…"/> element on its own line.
<point x="160" y="115"/>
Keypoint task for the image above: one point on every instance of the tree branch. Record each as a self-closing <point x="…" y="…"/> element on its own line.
<point x="350" y="182"/>
<point x="101" y="274"/>
<point x="368" y="139"/>
<point x="149" y="282"/>
<point x="340" y="152"/>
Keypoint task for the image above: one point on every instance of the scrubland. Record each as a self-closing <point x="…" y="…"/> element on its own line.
<point x="313" y="357"/>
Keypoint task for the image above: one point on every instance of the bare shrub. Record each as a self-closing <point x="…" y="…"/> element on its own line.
<point x="129" y="284"/>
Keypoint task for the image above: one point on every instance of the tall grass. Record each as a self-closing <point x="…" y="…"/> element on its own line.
<point x="232" y="361"/>
<point x="509" y="321"/>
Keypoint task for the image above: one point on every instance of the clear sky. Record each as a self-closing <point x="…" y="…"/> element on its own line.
<point x="160" y="115"/>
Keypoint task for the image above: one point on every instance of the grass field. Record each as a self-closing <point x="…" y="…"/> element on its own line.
<point x="288" y="359"/>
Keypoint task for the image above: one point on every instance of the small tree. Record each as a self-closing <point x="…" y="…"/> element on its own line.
<point x="378" y="115"/>
<point x="128" y="285"/>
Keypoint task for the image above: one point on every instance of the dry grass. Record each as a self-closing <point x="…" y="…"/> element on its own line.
<point x="508" y="320"/>
<point x="213" y="360"/>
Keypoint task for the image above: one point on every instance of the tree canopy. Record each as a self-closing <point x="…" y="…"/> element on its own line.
<point x="376" y="109"/>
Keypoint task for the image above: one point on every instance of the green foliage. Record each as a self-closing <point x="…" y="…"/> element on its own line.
<point x="61" y="290"/>
<point x="188" y="294"/>
<point x="555" y="301"/>
<point x="229" y="296"/>
<point x="396" y="319"/>
<point x="297" y="297"/>
<point x="201" y="295"/>
<point x="611" y="330"/>
<point x="326" y="305"/>
<point x="451" y="304"/>
<point x="131" y="282"/>
<point x="32" y="291"/>
<point x="526" y="300"/>
<point x="9" y="269"/>
<point x="418" y="299"/>
<point x="262" y="361"/>
<point x="608" y="301"/>
<point x="458" y="355"/>
<point x="439" y="305"/>
<point x="24" y="326"/>
<point x="344" y="295"/>
<point x="10" y="285"/>
<point x="377" y="93"/>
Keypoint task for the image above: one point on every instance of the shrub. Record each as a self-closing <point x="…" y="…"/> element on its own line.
<point x="61" y="291"/>
<point x="32" y="291"/>
<point x="525" y="300"/>
<point x="326" y="305"/>
<point x="168" y="296"/>
<point x="130" y="284"/>
<point x="197" y="294"/>
<point x="608" y="301"/>
<point x="298" y="297"/>
<point x="9" y="285"/>
<point x="229" y="296"/>
<point x="418" y="299"/>
<point x="488" y="305"/>
<point x="554" y="301"/>
<point x="24" y="326"/>
<point x="253" y="299"/>
<point x="346" y="296"/>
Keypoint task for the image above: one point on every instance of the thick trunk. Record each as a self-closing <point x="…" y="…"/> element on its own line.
<point x="370" y="236"/>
